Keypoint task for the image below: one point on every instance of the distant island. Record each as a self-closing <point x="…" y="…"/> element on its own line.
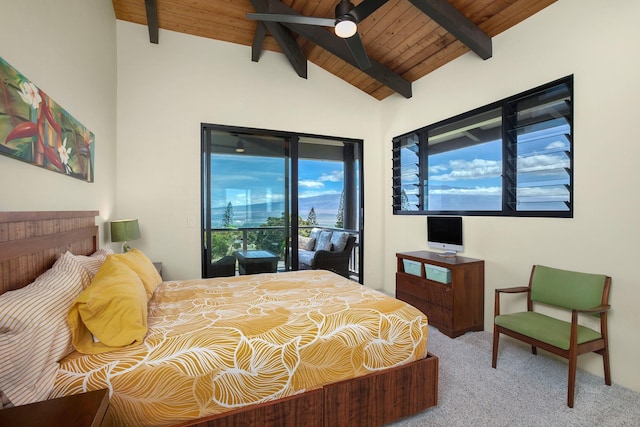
<point x="325" y="206"/>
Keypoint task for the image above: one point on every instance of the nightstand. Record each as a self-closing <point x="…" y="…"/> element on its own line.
<point x="89" y="409"/>
<point x="158" y="266"/>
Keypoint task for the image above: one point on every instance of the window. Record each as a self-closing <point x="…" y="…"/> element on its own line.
<point x="513" y="158"/>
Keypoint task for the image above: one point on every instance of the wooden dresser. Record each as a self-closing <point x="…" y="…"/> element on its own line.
<point x="450" y="291"/>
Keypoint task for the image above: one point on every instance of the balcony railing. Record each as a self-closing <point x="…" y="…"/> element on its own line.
<point x="225" y="241"/>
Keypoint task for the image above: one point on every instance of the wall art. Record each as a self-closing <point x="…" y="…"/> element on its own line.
<point x="35" y="129"/>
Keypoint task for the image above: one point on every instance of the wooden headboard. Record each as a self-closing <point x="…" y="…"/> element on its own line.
<point x="30" y="242"/>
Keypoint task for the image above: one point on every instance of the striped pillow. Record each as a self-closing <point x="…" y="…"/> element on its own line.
<point x="34" y="334"/>
<point x="93" y="262"/>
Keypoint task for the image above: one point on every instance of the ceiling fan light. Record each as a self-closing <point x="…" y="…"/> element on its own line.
<point x="345" y="28"/>
<point x="239" y="147"/>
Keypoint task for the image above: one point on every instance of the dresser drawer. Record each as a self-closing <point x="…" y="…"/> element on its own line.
<point x="430" y="291"/>
<point x="437" y="315"/>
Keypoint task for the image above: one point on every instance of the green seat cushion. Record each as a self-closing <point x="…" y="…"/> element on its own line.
<point x="544" y="328"/>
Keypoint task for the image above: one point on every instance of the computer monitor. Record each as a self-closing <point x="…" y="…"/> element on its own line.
<point x="445" y="232"/>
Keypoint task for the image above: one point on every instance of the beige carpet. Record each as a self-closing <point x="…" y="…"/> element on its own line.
<point x="524" y="390"/>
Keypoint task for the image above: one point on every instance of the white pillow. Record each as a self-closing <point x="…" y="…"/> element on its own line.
<point x="306" y="243"/>
<point x="34" y="334"/>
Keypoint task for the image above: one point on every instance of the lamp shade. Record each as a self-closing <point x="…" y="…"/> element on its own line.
<point x="124" y="229"/>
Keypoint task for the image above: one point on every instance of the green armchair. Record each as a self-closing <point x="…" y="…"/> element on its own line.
<point x="580" y="293"/>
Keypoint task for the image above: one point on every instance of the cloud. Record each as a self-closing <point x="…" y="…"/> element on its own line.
<point x="334" y="176"/>
<point x="437" y="168"/>
<point x="484" y="191"/>
<point x="306" y="194"/>
<point x="310" y="184"/>
<point x="465" y="169"/>
<point x="555" y="145"/>
<point x="542" y="162"/>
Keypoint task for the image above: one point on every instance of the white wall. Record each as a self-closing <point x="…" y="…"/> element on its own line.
<point x="166" y="91"/>
<point x="66" y="48"/>
<point x="599" y="45"/>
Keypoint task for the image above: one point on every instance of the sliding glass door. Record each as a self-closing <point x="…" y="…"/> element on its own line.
<point x="262" y="189"/>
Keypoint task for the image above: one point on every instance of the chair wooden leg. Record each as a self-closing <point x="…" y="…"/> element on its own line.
<point x="607" y="367"/>
<point x="573" y="362"/>
<point x="494" y="355"/>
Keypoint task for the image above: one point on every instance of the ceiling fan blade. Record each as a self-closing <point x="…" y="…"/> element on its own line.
<point x="292" y="19"/>
<point x="366" y="8"/>
<point x="359" y="53"/>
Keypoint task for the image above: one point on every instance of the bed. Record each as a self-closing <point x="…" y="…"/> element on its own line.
<point x="372" y="395"/>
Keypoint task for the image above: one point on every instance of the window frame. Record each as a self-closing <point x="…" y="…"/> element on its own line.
<point x="508" y="106"/>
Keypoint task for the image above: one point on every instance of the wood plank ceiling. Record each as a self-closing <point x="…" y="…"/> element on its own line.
<point x="404" y="39"/>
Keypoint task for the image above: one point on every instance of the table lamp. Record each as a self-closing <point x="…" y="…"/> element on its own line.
<point x="123" y="230"/>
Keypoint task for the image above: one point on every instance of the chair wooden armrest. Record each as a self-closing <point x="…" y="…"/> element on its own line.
<point x="598" y="309"/>
<point x="513" y="290"/>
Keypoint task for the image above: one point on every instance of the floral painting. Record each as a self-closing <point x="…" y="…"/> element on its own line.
<point x="34" y="129"/>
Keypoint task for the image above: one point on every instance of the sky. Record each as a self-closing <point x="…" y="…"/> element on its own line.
<point x="244" y="180"/>
<point x="470" y="178"/>
<point x="255" y="188"/>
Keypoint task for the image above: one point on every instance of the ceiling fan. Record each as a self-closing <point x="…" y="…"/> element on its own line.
<point x="345" y="23"/>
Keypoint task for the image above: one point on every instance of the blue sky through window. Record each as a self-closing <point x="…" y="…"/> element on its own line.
<point x="255" y="187"/>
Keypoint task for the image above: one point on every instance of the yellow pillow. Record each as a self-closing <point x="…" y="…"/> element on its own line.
<point x="143" y="267"/>
<point x="111" y="313"/>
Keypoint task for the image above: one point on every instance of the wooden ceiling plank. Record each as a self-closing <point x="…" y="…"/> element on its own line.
<point x="513" y="15"/>
<point x="214" y="13"/>
<point x="407" y="62"/>
<point x="479" y="12"/>
<point x="214" y="26"/>
<point x="442" y="57"/>
<point x="385" y="22"/>
<point x="237" y="8"/>
<point x="382" y="19"/>
<point x="200" y="20"/>
<point x="381" y="93"/>
<point x="457" y="24"/>
<point x="408" y="38"/>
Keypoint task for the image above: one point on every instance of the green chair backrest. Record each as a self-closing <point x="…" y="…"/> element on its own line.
<point x="568" y="289"/>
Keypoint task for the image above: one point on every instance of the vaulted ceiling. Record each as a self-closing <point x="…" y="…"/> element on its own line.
<point x="404" y="39"/>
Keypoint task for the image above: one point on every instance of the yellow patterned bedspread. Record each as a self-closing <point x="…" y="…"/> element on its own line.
<point x="217" y="344"/>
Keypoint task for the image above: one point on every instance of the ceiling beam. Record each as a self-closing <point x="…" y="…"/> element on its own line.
<point x="258" y="40"/>
<point x="152" y="20"/>
<point x="283" y="37"/>
<point x="452" y="20"/>
<point x="338" y="47"/>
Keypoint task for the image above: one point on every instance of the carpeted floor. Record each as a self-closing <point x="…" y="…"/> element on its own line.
<point x="524" y="390"/>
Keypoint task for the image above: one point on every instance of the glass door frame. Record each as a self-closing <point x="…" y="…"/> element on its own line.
<point x="291" y="152"/>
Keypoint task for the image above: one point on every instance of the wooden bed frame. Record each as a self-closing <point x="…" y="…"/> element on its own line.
<point x="31" y="241"/>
